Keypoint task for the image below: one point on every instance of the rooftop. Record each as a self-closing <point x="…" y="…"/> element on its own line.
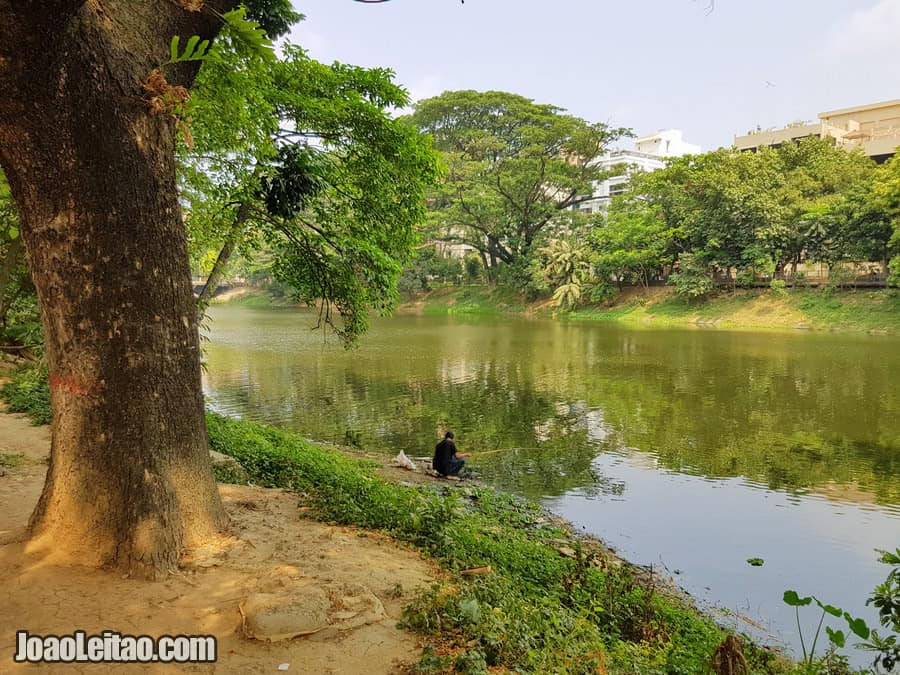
<point x="860" y="108"/>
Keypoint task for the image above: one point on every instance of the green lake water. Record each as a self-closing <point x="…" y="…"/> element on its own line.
<point x="692" y="450"/>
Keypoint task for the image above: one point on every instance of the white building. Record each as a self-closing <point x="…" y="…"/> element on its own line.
<point x="666" y="143"/>
<point x="649" y="154"/>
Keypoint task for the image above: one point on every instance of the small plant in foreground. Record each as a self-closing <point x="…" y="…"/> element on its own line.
<point x="837" y="638"/>
<point x="10" y="461"/>
<point x="28" y="391"/>
<point x="886" y="599"/>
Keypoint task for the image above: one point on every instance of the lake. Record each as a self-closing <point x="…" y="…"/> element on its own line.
<point x="689" y="449"/>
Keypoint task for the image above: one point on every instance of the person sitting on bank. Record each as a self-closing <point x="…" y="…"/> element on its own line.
<point x="447" y="461"/>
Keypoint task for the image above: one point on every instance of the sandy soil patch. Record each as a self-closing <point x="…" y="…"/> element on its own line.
<point x="361" y="581"/>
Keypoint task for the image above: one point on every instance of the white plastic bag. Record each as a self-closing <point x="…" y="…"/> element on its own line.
<point x="403" y="462"/>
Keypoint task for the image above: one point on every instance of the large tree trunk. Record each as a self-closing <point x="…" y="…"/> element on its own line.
<point x="92" y="170"/>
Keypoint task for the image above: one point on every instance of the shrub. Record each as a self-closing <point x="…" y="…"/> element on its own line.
<point x="28" y="392"/>
<point x="778" y="287"/>
<point x="474" y="267"/>
<point x="693" y="279"/>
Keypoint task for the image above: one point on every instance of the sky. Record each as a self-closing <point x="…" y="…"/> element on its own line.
<point x="643" y="64"/>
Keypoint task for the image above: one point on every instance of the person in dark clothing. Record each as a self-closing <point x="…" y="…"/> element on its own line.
<point x="447" y="461"/>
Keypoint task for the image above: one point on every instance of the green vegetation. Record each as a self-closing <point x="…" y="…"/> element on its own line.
<point x="886" y="648"/>
<point x="474" y="301"/>
<point x="836" y="637"/>
<point x="724" y="219"/>
<point x="818" y="309"/>
<point x="28" y="391"/>
<point x="731" y="218"/>
<point x="298" y="175"/>
<point x="515" y="170"/>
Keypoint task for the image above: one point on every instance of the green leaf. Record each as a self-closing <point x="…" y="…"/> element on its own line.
<point x="194" y="50"/>
<point x="471" y="610"/>
<point x="858" y="626"/>
<point x="13" y="232"/>
<point x="837" y="637"/>
<point x="201" y="49"/>
<point x="889" y="558"/>
<point x="248" y="32"/>
<point x="791" y="598"/>
<point x="755" y="562"/>
<point x="189" y="49"/>
<point x="830" y="609"/>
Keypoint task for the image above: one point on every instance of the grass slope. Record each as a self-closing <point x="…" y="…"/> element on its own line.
<point x="819" y="309"/>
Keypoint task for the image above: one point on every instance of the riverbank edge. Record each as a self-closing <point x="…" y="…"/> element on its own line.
<point x="852" y="311"/>
<point x="543" y="581"/>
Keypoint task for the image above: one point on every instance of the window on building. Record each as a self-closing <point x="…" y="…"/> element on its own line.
<point x="618" y="189"/>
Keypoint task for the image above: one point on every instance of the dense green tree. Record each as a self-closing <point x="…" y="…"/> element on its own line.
<point x="817" y="179"/>
<point x="428" y="266"/>
<point x="516" y="168"/>
<point x="737" y="215"/>
<point x="633" y="245"/>
<point x="886" y="194"/>
<point x="307" y="161"/>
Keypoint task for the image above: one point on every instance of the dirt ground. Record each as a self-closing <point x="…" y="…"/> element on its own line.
<point x="363" y="579"/>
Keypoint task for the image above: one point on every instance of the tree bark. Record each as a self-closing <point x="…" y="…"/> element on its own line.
<point x="92" y="170"/>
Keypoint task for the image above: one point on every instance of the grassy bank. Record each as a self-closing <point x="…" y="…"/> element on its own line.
<point x="473" y="301"/>
<point x="813" y="309"/>
<point x="551" y="602"/>
<point x="252" y="297"/>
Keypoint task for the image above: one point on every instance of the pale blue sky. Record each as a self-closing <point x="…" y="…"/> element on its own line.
<point x="645" y="64"/>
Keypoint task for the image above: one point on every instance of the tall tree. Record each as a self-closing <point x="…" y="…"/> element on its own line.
<point x="757" y="212"/>
<point x="308" y="162"/>
<point x="886" y="193"/>
<point x="515" y="168"/>
<point x="87" y="142"/>
<point x="634" y="244"/>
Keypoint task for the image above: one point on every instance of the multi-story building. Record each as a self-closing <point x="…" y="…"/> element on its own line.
<point x="649" y="154"/>
<point x="875" y="128"/>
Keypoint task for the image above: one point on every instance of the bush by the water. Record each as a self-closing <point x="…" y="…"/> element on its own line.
<point x="28" y="391"/>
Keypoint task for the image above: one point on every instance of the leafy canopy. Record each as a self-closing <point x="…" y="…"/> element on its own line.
<point x="304" y="161"/>
<point x="516" y="168"/>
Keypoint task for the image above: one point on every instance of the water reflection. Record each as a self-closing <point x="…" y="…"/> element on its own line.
<point x="789" y="412"/>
